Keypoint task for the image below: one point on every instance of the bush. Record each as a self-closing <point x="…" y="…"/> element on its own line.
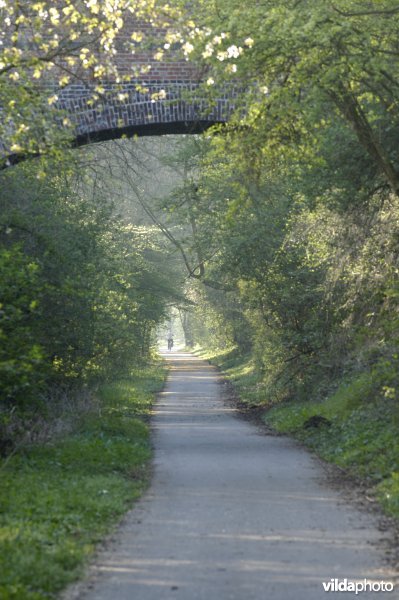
<point x="22" y="364"/>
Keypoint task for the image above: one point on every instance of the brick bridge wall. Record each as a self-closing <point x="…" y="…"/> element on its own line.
<point x="181" y="111"/>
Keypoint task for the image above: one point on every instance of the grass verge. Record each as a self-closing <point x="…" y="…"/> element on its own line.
<point x="57" y="501"/>
<point x="355" y="428"/>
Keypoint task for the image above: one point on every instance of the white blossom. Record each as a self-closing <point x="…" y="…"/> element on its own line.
<point x="234" y="51"/>
<point x="187" y="48"/>
<point x="209" y="50"/>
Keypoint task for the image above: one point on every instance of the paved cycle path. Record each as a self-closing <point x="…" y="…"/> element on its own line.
<point x="232" y="513"/>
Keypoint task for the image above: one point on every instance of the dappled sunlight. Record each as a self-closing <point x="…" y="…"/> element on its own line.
<point x="164" y="573"/>
<point x="302" y="537"/>
<point x="203" y="378"/>
<point x="177" y="354"/>
<point x="251" y="495"/>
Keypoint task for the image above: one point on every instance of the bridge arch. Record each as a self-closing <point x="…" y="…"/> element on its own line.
<point x="164" y="107"/>
<point x="156" y="97"/>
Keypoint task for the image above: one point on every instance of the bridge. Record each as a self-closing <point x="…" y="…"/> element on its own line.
<point x="153" y="97"/>
<point x="165" y="98"/>
<point x="167" y="105"/>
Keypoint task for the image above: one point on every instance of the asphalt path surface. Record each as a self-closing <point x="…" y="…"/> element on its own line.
<point x="232" y="513"/>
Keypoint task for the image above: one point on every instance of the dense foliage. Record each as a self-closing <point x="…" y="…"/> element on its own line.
<point x="298" y="271"/>
<point x="295" y="202"/>
<point x="82" y="289"/>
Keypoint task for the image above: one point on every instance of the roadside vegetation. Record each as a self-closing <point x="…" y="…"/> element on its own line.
<point x="60" y="498"/>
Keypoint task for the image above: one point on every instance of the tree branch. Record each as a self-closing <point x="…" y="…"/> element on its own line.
<point x="364" y="13"/>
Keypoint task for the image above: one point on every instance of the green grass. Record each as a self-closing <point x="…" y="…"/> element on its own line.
<point x="363" y="433"/>
<point x="362" y="437"/>
<point x="240" y="371"/>
<point x="57" y="501"/>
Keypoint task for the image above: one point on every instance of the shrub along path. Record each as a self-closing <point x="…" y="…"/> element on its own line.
<point x="232" y="513"/>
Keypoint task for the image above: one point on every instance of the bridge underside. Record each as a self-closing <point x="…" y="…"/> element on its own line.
<point x="162" y="108"/>
<point x="149" y="129"/>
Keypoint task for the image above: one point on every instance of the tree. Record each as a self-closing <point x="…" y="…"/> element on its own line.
<point x="299" y="64"/>
<point x="84" y="290"/>
<point x="46" y="47"/>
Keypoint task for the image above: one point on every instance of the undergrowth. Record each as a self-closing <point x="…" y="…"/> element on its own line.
<point x="58" y="500"/>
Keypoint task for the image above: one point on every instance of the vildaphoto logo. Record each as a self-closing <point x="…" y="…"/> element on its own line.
<point x="365" y="585"/>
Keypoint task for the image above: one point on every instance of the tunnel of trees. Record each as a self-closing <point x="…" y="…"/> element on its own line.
<point x="274" y="237"/>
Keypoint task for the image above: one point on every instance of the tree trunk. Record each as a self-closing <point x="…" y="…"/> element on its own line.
<point x="353" y="112"/>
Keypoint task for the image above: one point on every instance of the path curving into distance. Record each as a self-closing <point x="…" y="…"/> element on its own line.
<point x="232" y="513"/>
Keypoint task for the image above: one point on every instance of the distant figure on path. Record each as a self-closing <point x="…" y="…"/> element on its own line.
<point x="170" y="342"/>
